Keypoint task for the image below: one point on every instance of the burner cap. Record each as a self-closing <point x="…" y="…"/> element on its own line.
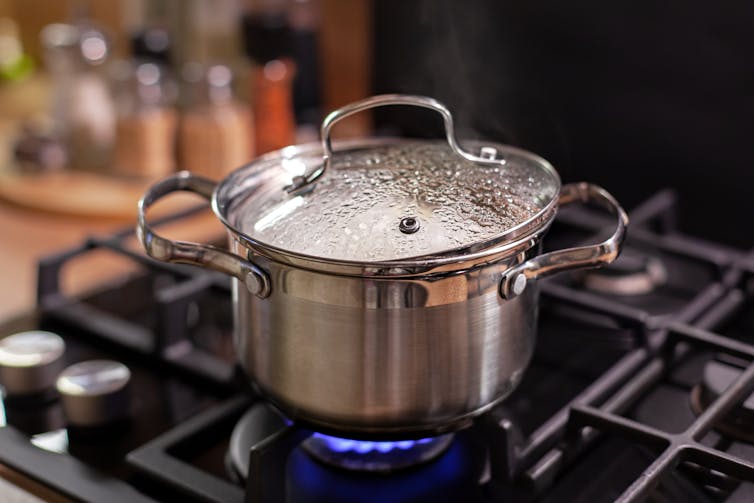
<point x="630" y="274"/>
<point x="718" y="376"/>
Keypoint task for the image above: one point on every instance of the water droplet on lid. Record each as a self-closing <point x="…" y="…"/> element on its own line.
<point x="458" y="203"/>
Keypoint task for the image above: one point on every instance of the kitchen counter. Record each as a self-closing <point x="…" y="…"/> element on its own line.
<point x="16" y="488"/>
<point x="28" y="235"/>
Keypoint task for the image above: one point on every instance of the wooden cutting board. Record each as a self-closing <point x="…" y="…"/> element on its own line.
<point x="79" y="194"/>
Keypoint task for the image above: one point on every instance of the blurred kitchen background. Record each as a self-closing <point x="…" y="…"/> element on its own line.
<point x="137" y="88"/>
<point x="100" y="97"/>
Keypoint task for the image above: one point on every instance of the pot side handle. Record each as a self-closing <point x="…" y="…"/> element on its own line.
<point x="183" y="252"/>
<point x="515" y="280"/>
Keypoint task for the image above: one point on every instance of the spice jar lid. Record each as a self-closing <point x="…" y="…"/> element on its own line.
<point x="390" y="201"/>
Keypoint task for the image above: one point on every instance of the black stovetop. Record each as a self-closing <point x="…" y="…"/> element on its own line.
<point x="613" y="407"/>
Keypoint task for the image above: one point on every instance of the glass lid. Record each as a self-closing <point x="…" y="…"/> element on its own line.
<point x="392" y="200"/>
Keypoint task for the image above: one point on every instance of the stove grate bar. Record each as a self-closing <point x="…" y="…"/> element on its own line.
<point x="544" y="471"/>
<point x="665" y="238"/>
<point x="660" y="209"/>
<point x="720" y="461"/>
<point x="169" y="339"/>
<point x="546" y="436"/>
<point x="680" y="447"/>
<point x="736" y="392"/>
<point x="658" y="212"/>
<point x="674" y="450"/>
<point x="641" y="488"/>
<point x="538" y="458"/>
<point x="608" y="422"/>
<point x="724" y="310"/>
<point x="631" y="316"/>
<point x="689" y="247"/>
<point x="156" y="459"/>
<point x="64" y="474"/>
<point x="747" y="262"/>
<point x="268" y="459"/>
<point x="703" y="338"/>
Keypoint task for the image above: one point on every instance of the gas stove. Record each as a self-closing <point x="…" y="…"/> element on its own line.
<point x="640" y="387"/>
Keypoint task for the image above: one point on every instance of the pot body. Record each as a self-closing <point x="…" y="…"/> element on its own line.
<point x="412" y="346"/>
<point x="375" y="356"/>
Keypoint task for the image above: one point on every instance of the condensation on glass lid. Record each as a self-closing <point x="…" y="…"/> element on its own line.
<point x="400" y="201"/>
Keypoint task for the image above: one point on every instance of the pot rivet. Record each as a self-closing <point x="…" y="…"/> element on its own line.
<point x="253" y="284"/>
<point x="519" y="284"/>
<point x="409" y="225"/>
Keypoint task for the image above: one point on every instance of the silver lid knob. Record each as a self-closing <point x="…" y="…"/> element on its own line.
<point x="30" y="361"/>
<point x="94" y="392"/>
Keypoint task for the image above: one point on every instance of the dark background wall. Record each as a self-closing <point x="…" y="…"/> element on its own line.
<point x="636" y="96"/>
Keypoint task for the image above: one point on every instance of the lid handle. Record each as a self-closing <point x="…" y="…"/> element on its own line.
<point x="302" y="181"/>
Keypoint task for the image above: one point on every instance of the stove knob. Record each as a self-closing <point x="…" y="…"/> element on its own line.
<point x="94" y="392"/>
<point x="30" y="362"/>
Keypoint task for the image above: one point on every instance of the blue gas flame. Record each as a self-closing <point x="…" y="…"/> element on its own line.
<point x="337" y="444"/>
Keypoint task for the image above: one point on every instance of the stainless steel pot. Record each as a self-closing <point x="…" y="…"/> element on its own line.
<point x="412" y="345"/>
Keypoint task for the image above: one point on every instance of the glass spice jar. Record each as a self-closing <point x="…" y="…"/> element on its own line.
<point x="146" y="124"/>
<point x="216" y="131"/>
<point x="82" y="112"/>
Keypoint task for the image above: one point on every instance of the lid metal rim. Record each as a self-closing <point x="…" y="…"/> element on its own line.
<point x="402" y="269"/>
<point x="460" y="258"/>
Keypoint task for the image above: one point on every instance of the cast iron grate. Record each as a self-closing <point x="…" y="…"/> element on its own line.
<point x="533" y="462"/>
<point x="536" y="461"/>
<point x="167" y="337"/>
<point x="674" y="448"/>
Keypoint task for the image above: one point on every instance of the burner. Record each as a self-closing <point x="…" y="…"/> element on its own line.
<point x="261" y="421"/>
<point x="385" y="456"/>
<point x="739" y="423"/>
<point x="631" y="274"/>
